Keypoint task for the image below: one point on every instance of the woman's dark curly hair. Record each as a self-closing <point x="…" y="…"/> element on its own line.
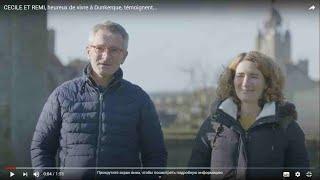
<point x="270" y="70"/>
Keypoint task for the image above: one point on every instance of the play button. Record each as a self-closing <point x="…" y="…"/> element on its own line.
<point x="11" y="174"/>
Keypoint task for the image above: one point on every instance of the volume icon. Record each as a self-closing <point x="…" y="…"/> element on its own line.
<point x="36" y="174"/>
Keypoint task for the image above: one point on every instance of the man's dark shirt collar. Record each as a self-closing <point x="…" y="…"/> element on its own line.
<point x="117" y="76"/>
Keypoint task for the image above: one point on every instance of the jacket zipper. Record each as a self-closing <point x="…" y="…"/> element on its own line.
<point x="240" y="132"/>
<point x="239" y="147"/>
<point x="99" y="130"/>
<point x="246" y="132"/>
<point x="243" y="142"/>
<point x="113" y="82"/>
<point x="246" y="138"/>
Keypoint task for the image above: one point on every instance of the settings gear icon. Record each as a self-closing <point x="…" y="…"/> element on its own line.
<point x="297" y="174"/>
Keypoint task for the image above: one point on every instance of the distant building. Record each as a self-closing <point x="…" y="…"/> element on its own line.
<point x="186" y="108"/>
<point x="307" y="103"/>
<point x="57" y="73"/>
<point x="274" y="41"/>
<point x="23" y="58"/>
<point x="77" y="66"/>
<point x="29" y="71"/>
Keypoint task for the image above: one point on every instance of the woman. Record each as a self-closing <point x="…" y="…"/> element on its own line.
<point x="252" y="132"/>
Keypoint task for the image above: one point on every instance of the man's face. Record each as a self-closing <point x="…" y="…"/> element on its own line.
<point x="106" y="52"/>
<point x="249" y="82"/>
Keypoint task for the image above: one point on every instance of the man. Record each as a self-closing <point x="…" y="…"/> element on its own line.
<point x="100" y="119"/>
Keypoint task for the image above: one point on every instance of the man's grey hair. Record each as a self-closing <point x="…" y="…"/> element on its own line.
<point x="113" y="28"/>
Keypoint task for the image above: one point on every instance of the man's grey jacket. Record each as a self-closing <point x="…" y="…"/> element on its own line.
<point x="116" y="127"/>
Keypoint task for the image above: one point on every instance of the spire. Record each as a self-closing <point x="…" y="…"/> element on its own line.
<point x="274" y="20"/>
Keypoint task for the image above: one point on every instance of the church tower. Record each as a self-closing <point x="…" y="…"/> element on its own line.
<point x="274" y="41"/>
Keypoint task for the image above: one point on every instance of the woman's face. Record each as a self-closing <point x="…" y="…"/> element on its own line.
<point x="249" y="82"/>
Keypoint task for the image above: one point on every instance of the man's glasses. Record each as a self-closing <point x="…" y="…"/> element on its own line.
<point x="110" y="50"/>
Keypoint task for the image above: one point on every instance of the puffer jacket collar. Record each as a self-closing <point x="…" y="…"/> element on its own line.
<point x="271" y="112"/>
<point x="229" y="107"/>
<point x="115" y="81"/>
